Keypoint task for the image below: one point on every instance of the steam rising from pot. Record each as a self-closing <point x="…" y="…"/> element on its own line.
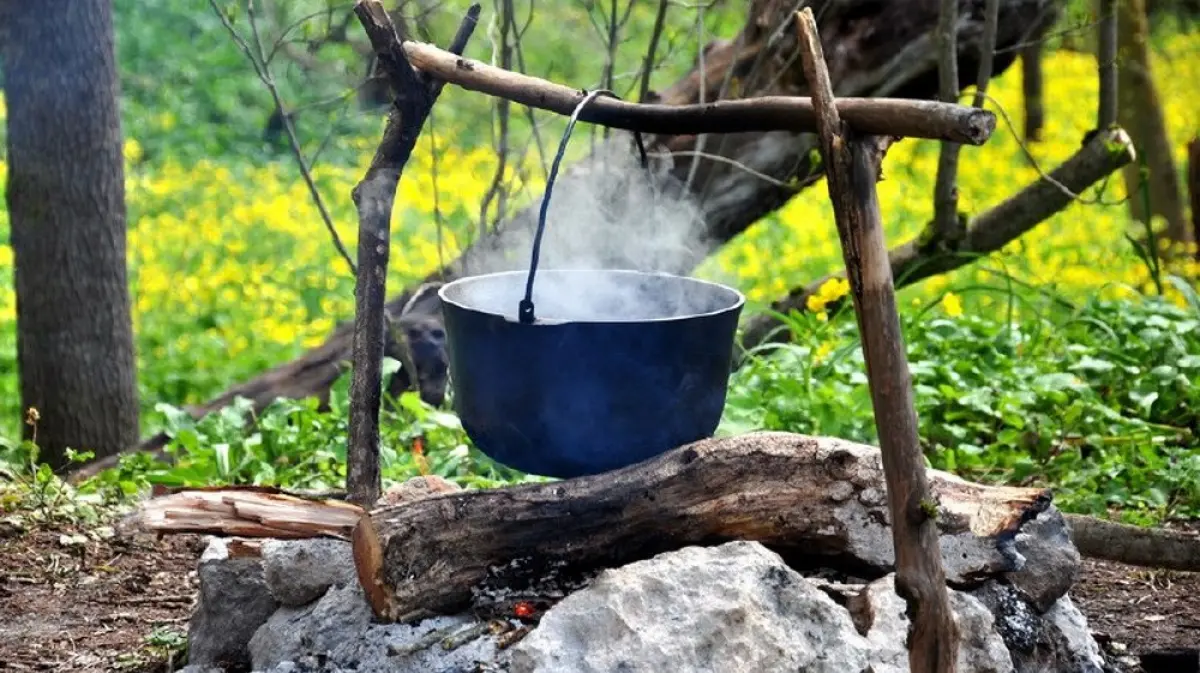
<point x="606" y="212"/>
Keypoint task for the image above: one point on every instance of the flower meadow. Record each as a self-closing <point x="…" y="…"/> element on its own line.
<point x="233" y="272"/>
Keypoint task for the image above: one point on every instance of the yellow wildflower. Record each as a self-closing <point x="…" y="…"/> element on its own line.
<point x="952" y="305"/>
<point x="830" y="291"/>
<point x="822" y="351"/>
<point x="133" y="150"/>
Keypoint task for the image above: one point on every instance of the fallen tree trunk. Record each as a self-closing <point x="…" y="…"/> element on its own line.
<point x="814" y="500"/>
<point x="874" y="50"/>
<point x="1123" y="543"/>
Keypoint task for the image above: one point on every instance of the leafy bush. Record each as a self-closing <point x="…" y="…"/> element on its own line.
<point x="1100" y="402"/>
<point x="297" y="445"/>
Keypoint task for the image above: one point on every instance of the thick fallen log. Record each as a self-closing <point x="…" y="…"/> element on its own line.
<point x="815" y="500"/>
<point x="873" y="49"/>
<point x="1123" y="543"/>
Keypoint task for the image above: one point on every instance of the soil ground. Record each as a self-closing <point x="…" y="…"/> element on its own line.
<point x="122" y="605"/>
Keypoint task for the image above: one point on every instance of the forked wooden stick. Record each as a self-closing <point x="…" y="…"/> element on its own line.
<point x="852" y="163"/>
<point x="374" y="197"/>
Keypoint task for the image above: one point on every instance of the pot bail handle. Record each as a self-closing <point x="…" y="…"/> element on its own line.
<point x="525" y="308"/>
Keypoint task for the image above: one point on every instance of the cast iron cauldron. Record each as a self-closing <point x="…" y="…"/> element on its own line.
<point x="616" y="368"/>
<point x="619" y="367"/>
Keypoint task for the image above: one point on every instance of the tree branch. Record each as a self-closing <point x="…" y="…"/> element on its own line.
<point x="374" y="197"/>
<point x="875" y="116"/>
<point x="660" y="19"/>
<point x="261" y="63"/>
<point x="987" y="51"/>
<point x="989" y="232"/>
<point x="947" y="227"/>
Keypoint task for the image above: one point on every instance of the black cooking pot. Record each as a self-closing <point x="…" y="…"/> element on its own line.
<point x="616" y="367"/>
<point x="620" y="367"/>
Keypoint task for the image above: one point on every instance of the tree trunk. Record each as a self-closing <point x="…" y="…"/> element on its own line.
<point x="66" y="204"/>
<point x="1032" y="81"/>
<point x="1193" y="181"/>
<point x="874" y="49"/>
<point x="1140" y="113"/>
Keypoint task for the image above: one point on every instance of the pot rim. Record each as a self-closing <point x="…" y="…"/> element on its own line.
<point x="739" y="299"/>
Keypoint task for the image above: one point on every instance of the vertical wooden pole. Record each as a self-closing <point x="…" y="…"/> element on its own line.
<point x="852" y="168"/>
<point x="374" y="198"/>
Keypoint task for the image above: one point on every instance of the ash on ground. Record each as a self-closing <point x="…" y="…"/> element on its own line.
<point x="527" y="586"/>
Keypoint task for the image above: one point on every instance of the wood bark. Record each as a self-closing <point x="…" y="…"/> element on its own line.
<point x="1032" y="81"/>
<point x="946" y="222"/>
<point x="816" y="501"/>
<point x="853" y="163"/>
<point x="66" y="204"/>
<point x="1150" y="547"/>
<point x="876" y="50"/>
<point x="1154" y="189"/>
<point x="1106" y="63"/>
<point x="374" y="197"/>
<point x="820" y="502"/>
<point x="1031" y="90"/>
<point x="1193" y="181"/>
<point x="987" y="233"/>
<point x="901" y="117"/>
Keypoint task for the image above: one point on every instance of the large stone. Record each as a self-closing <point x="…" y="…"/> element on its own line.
<point x="881" y="611"/>
<point x="1046" y="538"/>
<point x="1076" y="642"/>
<point x="731" y="608"/>
<point x="1057" y="640"/>
<point x="299" y="572"/>
<point x="340" y="616"/>
<point x="336" y="633"/>
<point x="234" y="601"/>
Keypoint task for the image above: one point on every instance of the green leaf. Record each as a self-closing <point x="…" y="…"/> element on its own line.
<point x="1056" y="381"/>
<point x="1090" y="364"/>
<point x="1144" y="400"/>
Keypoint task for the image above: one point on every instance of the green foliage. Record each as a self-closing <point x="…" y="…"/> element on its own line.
<point x="1101" y="403"/>
<point x="297" y="445"/>
<point x="32" y="495"/>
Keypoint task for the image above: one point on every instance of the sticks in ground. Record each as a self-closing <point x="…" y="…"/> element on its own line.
<point x="374" y="197"/>
<point x="852" y="165"/>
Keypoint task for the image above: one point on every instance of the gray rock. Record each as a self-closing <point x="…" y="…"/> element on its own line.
<point x="193" y="668"/>
<point x="731" y="608"/>
<point x="981" y="649"/>
<point x="299" y="572"/>
<point x="1057" y="640"/>
<point x="341" y="615"/>
<point x="1071" y="626"/>
<point x="234" y="601"/>
<point x="336" y="634"/>
<point x="1056" y="562"/>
